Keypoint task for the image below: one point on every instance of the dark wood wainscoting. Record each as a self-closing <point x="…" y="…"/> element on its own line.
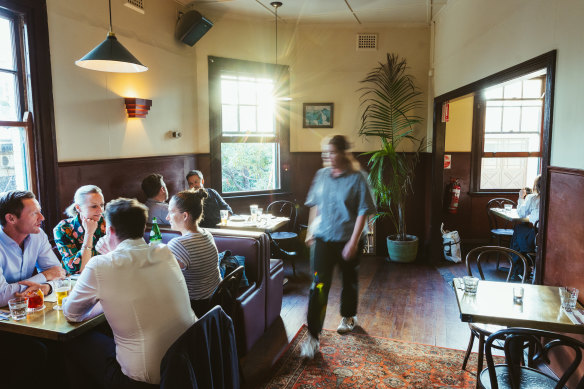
<point x="122" y="177"/>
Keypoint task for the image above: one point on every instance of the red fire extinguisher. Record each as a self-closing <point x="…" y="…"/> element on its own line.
<point x="454" y="195"/>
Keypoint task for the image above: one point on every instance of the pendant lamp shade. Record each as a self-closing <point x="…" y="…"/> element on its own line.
<point x="111" y="56"/>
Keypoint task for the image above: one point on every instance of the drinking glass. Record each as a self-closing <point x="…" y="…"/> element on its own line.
<point x="62" y="289"/>
<point x="36" y="301"/>
<point x="508" y="207"/>
<point x="253" y="210"/>
<point x="224" y="216"/>
<point x="18" y="307"/>
<point x="518" y="294"/>
<point x="568" y="298"/>
<point x="470" y="284"/>
<point x="259" y="213"/>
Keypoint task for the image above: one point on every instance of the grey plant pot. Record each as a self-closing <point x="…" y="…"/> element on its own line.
<point x="404" y="251"/>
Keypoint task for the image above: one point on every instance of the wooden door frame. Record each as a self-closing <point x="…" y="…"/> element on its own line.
<point x="547" y="61"/>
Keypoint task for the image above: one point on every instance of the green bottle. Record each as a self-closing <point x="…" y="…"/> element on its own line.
<point x="155" y="236"/>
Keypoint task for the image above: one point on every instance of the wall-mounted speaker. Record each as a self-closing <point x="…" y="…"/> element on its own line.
<point x="191" y="27"/>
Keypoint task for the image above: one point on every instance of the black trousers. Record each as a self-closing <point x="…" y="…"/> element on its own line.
<point x="24" y="363"/>
<point x="323" y="258"/>
<point x="91" y="363"/>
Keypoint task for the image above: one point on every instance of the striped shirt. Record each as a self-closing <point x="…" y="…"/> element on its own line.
<point x="197" y="255"/>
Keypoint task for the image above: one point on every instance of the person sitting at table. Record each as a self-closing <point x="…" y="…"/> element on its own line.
<point x="212" y="205"/>
<point x="523" y="239"/>
<point x="77" y="236"/>
<point x="195" y="249"/>
<point x="24" y="246"/>
<point x="143" y="294"/>
<point x="156" y="193"/>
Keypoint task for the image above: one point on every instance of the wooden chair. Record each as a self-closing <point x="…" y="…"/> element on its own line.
<point x="284" y="243"/>
<point x="501" y="230"/>
<point x="478" y="330"/>
<point x="514" y="374"/>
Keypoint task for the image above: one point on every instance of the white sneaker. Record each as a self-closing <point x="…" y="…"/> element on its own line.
<point x="309" y="347"/>
<point x="347" y="324"/>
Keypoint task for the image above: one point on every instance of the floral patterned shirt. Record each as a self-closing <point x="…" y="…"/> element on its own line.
<point x="69" y="235"/>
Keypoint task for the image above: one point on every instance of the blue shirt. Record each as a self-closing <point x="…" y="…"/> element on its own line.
<point x="339" y="201"/>
<point x="158" y="210"/>
<point x="18" y="265"/>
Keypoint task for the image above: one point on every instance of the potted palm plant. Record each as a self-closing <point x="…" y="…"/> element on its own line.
<point x="388" y="100"/>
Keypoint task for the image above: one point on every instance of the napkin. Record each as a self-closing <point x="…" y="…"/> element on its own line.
<point x="458" y="283"/>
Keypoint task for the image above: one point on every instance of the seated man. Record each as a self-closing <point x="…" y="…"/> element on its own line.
<point x="212" y="205"/>
<point x="156" y="193"/>
<point x="24" y="246"/>
<point x="143" y="294"/>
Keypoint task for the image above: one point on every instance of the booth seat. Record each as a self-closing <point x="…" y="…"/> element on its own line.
<point x="260" y="303"/>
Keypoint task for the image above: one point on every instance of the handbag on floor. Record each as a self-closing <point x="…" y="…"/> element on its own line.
<point x="451" y="244"/>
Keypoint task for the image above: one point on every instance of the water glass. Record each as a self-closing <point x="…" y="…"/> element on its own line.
<point x="508" y="207"/>
<point x="18" y="307"/>
<point x="224" y="216"/>
<point x="253" y="211"/>
<point x="518" y="294"/>
<point x="568" y="298"/>
<point x="470" y="284"/>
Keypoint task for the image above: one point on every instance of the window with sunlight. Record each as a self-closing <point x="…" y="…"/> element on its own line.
<point x="512" y="136"/>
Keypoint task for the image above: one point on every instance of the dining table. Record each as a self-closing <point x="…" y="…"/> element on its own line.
<point x="48" y="324"/>
<point x="509" y="214"/>
<point x="493" y="303"/>
<point x="265" y="223"/>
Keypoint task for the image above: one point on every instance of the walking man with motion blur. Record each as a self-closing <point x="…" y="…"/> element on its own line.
<point x="342" y="199"/>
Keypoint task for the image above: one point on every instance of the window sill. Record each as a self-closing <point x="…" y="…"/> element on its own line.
<point x="494" y="193"/>
<point x="255" y="195"/>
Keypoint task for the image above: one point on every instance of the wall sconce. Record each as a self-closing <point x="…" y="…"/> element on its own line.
<point x="137" y="108"/>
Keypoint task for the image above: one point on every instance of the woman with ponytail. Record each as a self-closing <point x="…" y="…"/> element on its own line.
<point x="195" y="249"/>
<point x="77" y="236"/>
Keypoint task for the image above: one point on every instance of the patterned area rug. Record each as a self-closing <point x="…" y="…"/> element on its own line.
<point x="363" y="361"/>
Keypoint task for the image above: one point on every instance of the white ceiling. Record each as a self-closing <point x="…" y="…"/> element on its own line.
<point x="324" y="11"/>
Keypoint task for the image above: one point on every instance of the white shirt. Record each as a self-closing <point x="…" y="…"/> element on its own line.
<point x="143" y="294"/>
<point x="529" y="207"/>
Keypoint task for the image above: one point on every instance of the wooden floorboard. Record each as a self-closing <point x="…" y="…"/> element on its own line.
<point x="411" y="302"/>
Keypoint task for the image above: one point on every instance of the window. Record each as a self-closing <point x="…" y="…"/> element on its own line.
<point x="249" y="132"/>
<point x="510" y="136"/>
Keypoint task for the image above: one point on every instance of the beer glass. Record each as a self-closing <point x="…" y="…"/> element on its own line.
<point x="62" y="289"/>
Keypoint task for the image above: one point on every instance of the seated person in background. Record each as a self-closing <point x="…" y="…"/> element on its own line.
<point x="156" y="193"/>
<point x="23" y="245"/>
<point x="212" y="205"/>
<point x="143" y="294"/>
<point x="77" y="236"/>
<point x="195" y="250"/>
<point x="523" y="239"/>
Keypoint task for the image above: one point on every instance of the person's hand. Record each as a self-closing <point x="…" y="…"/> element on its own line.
<point x="349" y="250"/>
<point x="89" y="225"/>
<point x="54" y="273"/>
<point x="104" y="245"/>
<point x="32" y="288"/>
<point x="522" y="193"/>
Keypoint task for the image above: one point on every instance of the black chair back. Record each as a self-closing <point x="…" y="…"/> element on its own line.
<point x="496" y="222"/>
<point x="540" y="343"/>
<point x="226" y="292"/>
<point x="288" y="209"/>
<point x="479" y="254"/>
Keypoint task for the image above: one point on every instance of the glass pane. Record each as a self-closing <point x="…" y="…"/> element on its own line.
<point x="248" y="167"/>
<point x="493" y="119"/>
<point x="508" y="173"/>
<point x="494" y="93"/>
<point x="511" y="116"/>
<point x="531" y="119"/>
<point x="6" y="44"/>
<point x="229" y="118"/>
<point x="13" y="169"/>
<point x="228" y="91"/>
<point x="8" y="97"/>
<point x="532" y="89"/>
<point x="513" y="91"/>
<point x="247" y="118"/>
<point x="516" y="142"/>
<point x="247" y="92"/>
<point x="266" y="122"/>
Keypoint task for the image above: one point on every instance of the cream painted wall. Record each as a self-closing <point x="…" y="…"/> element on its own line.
<point x="324" y="67"/>
<point x="459" y="127"/>
<point x="90" y="117"/>
<point x="476" y="38"/>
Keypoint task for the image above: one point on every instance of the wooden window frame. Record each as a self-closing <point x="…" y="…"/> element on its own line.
<point x="219" y="66"/>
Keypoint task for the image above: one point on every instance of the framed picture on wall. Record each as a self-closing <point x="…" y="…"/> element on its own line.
<point x="317" y="115"/>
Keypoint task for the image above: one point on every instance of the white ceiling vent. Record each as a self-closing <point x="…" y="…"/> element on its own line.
<point x="136" y="5"/>
<point x="366" y="42"/>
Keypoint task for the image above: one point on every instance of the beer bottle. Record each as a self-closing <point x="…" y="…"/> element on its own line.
<point x="155" y="236"/>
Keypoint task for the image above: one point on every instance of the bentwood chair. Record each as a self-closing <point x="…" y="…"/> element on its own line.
<point x="227" y="291"/>
<point x="501" y="230"/>
<point x="475" y="258"/>
<point x="284" y="243"/>
<point x="515" y="374"/>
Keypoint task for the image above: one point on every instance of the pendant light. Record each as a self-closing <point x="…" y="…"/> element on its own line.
<point x="276" y="5"/>
<point x="111" y="56"/>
